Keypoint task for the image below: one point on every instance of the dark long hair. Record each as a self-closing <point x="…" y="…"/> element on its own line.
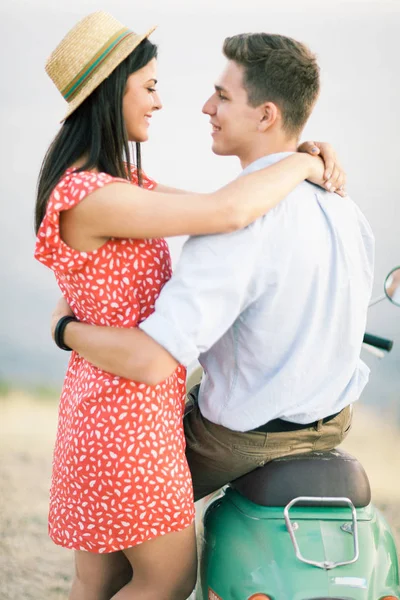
<point x="96" y="129"/>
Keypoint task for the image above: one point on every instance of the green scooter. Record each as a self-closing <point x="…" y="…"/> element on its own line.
<point x="301" y="528"/>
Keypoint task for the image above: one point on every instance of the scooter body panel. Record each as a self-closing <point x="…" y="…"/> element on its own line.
<point x="247" y="549"/>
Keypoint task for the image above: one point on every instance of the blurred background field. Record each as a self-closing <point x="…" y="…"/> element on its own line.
<point x="33" y="568"/>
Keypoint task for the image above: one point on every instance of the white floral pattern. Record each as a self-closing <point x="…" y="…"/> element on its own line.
<point x="120" y="475"/>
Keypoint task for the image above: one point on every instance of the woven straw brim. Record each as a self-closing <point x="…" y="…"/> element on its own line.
<point x="105" y="69"/>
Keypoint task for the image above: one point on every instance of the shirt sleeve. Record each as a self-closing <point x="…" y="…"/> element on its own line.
<point x="213" y="283"/>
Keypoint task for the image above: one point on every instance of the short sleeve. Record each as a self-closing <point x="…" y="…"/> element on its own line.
<point x="50" y="249"/>
<point x="215" y="280"/>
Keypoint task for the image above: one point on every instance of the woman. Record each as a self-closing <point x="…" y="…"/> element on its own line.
<point x="121" y="492"/>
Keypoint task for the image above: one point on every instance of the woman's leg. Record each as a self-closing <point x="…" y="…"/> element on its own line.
<point x="164" y="568"/>
<point x="99" y="576"/>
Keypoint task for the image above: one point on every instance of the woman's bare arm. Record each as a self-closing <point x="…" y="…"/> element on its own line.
<point x="334" y="174"/>
<point x="125" y="211"/>
<point x="166" y="189"/>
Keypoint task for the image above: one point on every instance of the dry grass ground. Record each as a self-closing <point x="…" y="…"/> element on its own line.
<point x="33" y="568"/>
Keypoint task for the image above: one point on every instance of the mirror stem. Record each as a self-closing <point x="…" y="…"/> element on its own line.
<point x="377" y="300"/>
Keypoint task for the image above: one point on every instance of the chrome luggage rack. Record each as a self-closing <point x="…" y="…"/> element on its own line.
<point x="347" y="527"/>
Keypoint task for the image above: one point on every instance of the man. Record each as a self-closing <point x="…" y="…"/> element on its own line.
<point x="275" y="312"/>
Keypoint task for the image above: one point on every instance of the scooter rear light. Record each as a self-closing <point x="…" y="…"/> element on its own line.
<point x="260" y="597"/>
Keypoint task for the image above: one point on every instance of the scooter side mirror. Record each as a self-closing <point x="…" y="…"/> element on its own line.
<point x="392" y="286"/>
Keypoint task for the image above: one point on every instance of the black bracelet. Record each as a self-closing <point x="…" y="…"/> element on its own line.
<point x="59" y="332"/>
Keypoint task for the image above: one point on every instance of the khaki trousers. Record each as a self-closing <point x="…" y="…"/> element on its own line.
<point x="217" y="455"/>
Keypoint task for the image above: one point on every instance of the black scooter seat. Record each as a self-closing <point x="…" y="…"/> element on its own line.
<point x="327" y="474"/>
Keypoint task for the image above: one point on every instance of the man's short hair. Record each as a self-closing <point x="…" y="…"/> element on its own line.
<point x="277" y="69"/>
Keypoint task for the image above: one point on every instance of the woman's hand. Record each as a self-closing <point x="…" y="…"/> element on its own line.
<point x="334" y="178"/>
<point x="62" y="309"/>
<point x="316" y="173"/>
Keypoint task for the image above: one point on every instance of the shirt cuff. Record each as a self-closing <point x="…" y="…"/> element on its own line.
<point x="171" y="338"/>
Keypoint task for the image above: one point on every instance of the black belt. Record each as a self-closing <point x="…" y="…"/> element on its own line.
<point x="280" y="425"/>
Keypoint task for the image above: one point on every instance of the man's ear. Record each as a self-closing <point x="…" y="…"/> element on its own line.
<point x="269" y="113"/>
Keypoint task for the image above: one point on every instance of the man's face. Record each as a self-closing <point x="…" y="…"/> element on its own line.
<point x="235" y="123"/>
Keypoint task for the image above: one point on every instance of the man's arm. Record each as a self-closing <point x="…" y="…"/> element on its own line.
<point x="212" y="284"/>
<point x="129" y="353"/>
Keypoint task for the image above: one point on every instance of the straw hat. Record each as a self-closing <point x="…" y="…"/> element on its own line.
<point x="88" y="54"/>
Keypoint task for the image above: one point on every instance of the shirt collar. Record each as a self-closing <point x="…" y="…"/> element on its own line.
<point x="265" y="161"/>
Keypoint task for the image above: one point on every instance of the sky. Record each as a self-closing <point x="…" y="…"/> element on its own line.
<point x="357" y="45"/>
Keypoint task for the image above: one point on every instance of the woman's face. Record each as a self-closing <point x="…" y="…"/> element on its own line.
<point x="140" y="100"/>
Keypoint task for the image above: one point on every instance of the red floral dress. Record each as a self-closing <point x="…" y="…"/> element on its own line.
<point x="120" y="476"/>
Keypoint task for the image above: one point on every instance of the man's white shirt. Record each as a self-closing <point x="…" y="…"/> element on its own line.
<point x="275" y="312"/>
